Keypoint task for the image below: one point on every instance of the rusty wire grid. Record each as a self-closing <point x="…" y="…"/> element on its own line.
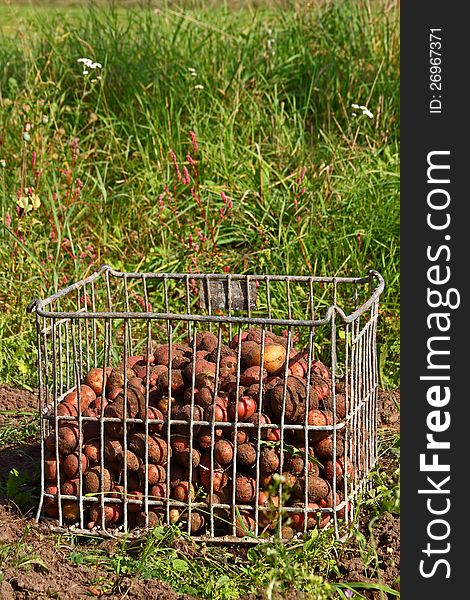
<point x="109" y="318"/>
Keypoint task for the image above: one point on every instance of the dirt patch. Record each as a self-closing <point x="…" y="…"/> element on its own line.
<point x="37" y="564"/>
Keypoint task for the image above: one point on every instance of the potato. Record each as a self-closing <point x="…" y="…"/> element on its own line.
<point x="246" y="407"/>
<point x="324" y="448"/>
<point x="68" y="436"/>
<point x="50" y="470"/>
<point x="154" y="517"/>
<point x="153" y="414"/>
<point x="219" y="476"/>
<point x="66" y="409"/>
<point x="157" y="447"/>
<point x="314" y="517"/>
<point x="204" y="438"/>
<point x="184" y="491"/>
<point x="268" y="460"/>
<point x="118" y="376"/>
<point x="111" y="513"/>
<point x="223" y="452"/>
<point x="70" y="487"/>
<point x="318" y="488"/>
<point x="71" y="465"/>
<point x="245" y="524"/>
<point x="92" y="450"/>
<point x="245" y="489"/>
<point x="246" y="455"/>
<point x="206" y="341"/>
<point x="95" y="379"/>
<point x="51" y="507"/>
<point x="343" y="466"/>
<point x="177" y="385"/>
<point x="156" y="474"/>
<point x="158" y="491"/>
<point x="253" y="375"/>
<point x="87" y="395"/>
<point x="92" y="480"/>
<point x="274" y="357"/>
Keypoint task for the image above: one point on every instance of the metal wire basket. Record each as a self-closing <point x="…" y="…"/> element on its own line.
<point x="325" y="329"/>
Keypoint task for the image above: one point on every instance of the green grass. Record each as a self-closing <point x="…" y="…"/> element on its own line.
<point x="88" y="185"/>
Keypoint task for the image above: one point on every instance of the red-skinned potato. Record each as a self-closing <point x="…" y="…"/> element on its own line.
<point x="176" y="386"/>
<point x="51" y="507"/>
<point x="118" y="376"/>
<point x="314" y="517"/>
<point x="223" y="452"/>
<point x="66" y="409"/>
<point x="217" y="413"/>
<point x="205" y="340"/>
<point x="246" y="455"/>
<point x="190" y="415"/>
<point x="94" y="378"/>
<point x="237" y="340"/>
<point x="343" y="466"/>
<point x="71" y="465"/>
<point x="246" y="408"/>
<point x="50" y="469"/>
<point x="92" y="480"/>
<point x="253" y="375"/>
<point x="245" y="489"/>
<point x="245" y="524"/>
<point x="135" y="501"/>
<point x="320" y="368"/>
<point x="112" y="513"/>
<point x="153" y="414"/>
<point x="320" y="386"/>
<point x="268" y="460"/>
<point x="87" y="395"/>
<point x="70" y="487"/>
<point x="157" y="491"/>
<point x="340" y="400"/>
<point x="68" y="436"/>
<point x="319" y="418"/>
<point x="219" y="476"/>
<point x="204" y="438"/>
<point x="156" y="474"/>
<point x="183" y="491"/>
<point x="91" y="428"/>
<point x="324" y="447"/>
<point x="157" y="447"/>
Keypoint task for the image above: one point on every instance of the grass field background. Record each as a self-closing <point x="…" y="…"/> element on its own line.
<point x="213" y="136"/>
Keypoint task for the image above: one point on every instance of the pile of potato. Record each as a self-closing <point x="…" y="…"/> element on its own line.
<point x="258" y="397"/>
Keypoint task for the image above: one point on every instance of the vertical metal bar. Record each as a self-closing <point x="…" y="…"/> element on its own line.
<point x="333" y="377"/>
<point x="145" y="416"/>
<point x="259" y="431"/>
<point x="233" y="509"/>
<point x="170" y="419"/>
<point x="42" y="422"/>
<point x="214" y="402"/>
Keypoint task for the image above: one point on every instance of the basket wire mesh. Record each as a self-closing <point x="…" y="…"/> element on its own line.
<point x="110" y="317"/>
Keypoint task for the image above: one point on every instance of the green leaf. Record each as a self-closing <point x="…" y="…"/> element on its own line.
<point x="180" y="565"/>
<point x="223" y="580"/>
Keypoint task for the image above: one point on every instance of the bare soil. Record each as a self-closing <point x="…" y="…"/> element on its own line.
<point x="39" y="567"/>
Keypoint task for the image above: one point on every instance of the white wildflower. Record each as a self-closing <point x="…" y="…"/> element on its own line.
<point x="3" y="163"/>
<point x="198" y="87"/>
<point x="89" y="64"/>
<point x="365" y="110"/>
<point x="192" y="71"/>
